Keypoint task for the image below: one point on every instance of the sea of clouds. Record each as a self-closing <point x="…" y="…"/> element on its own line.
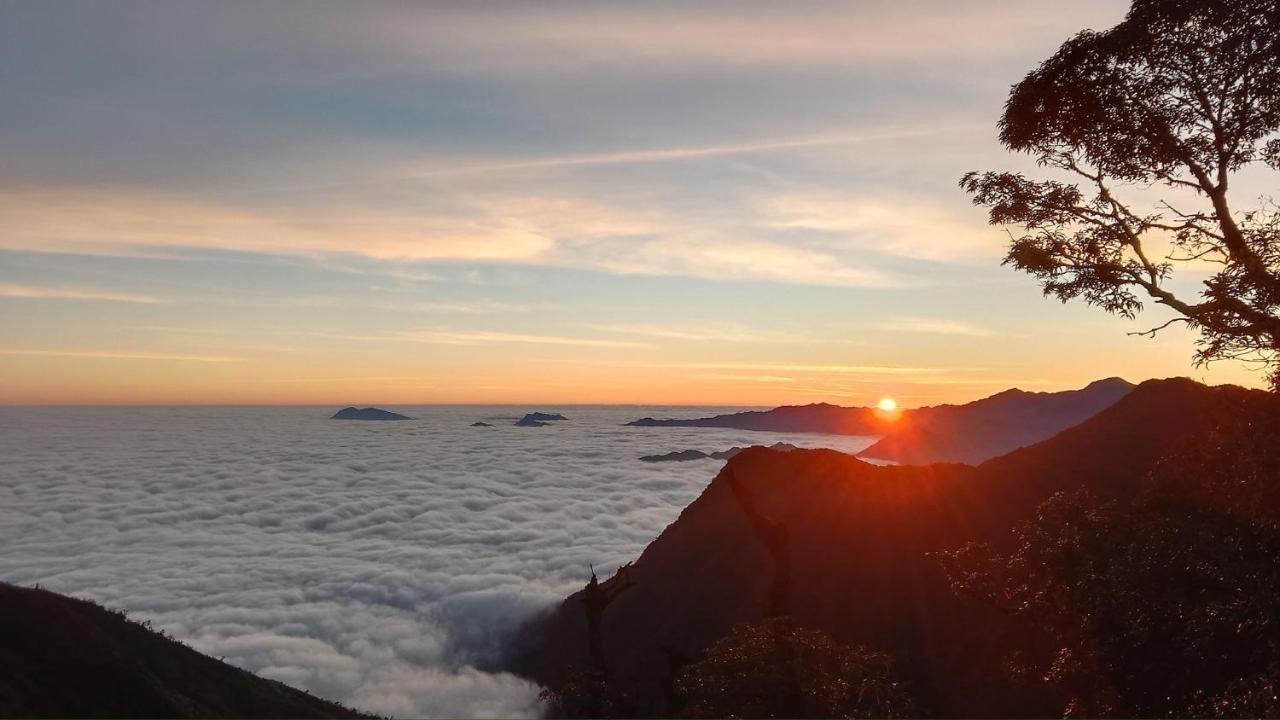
<point x="375" y="563"/>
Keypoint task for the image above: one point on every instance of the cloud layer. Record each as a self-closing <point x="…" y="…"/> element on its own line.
<point x="379" y="564"/>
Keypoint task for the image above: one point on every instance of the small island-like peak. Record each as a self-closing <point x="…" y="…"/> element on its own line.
<point x="538" y="419"/>
<point x="354" y="413"/>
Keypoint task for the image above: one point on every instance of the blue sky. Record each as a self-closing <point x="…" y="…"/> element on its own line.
<point x="749" y="203"/>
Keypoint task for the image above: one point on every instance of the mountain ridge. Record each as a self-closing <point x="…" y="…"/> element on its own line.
<point x="970" y="432"/>
<point x="860" y="544"/>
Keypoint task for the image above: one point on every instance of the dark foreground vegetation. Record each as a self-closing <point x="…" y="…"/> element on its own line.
<point x="63" y="657"/>
<point x="1125" y="567"/>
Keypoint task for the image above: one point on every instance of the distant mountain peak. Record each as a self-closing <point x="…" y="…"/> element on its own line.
<point x="969" y="433"/>
<point x="1109" y="382"/>
<point x="369" y="413"/>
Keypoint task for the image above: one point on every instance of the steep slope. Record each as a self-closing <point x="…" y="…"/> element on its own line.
<point x="969" y="433"/>
<point x="857" y="550"/>
<point x="63" y="657"/>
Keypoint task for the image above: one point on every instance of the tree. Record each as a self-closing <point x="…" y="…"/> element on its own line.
<point x="586" y="693"/>
<point x="775" y="668"/>
<point x="1160" y="608"/>
<point x="1182" y="95"/>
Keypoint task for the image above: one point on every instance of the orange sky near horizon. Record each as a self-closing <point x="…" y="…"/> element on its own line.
<point x="513" y="374"/>
<point x="530" y="203"/>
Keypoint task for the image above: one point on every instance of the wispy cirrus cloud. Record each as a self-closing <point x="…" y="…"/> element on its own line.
<point x="666" y="154"/>
<point x="663" y="37"/>
<point x="120" y="355"/>
<point x="729" y="377"/>
<point x="446" y="336"/>
<point x="935" y="326"/>
<point x="81" y="219"/>
<point x="487" y="307"/>
<point x="548" y="230"/>
<point x="709" y="332"/>
<point x="474" y="337"/>
<point x="836" y="369"/>
<point x="905" y="226"/>
<point x="785" y="369"/>
<point x="40" y="292"/>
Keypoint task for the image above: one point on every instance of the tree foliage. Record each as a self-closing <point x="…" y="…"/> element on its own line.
<point x="1163" y="608"/>
<point x="1182" y="95"/>
<point x="775" y="668"/>
<point x="586" y="693"/>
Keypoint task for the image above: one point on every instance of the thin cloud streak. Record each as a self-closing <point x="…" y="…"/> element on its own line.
<point x="617" y="157"/>
<point x="749" y="378"/>
<point x="835" y="369"/>
<point x="109" y="355"/>
<point x="934" y="326"/>
<point x="702" y="333"/>
<point x="682" y="153"/>
<point x="468" y="338"/>
<point x="780" y="369"/>
<point x="73" y="293"/>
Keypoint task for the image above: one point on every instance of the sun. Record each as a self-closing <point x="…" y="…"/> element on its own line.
<point x="887" y="404"/>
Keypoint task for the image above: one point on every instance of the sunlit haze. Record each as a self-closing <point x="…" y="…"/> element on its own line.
<point x="389" y="203"/>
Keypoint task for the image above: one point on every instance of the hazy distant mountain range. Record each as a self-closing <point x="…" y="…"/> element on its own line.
<point x="968" y="433"/>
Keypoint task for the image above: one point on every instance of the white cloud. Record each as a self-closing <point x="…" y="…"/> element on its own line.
<point x="547" y="231"/>
<point x="902" y="226"/>
<point x="723" y="254"/>
<point x="80" y="220"/>
<point x="379" y="564"/>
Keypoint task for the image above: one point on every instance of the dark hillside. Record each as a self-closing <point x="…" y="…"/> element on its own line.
<point x="63" y="657"/>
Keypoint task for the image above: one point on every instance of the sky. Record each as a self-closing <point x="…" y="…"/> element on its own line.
<point x="379" y="203"/>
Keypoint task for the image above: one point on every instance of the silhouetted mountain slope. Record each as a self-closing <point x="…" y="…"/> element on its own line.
<point x="63" y="657"/>
<point x="968" y="433"/>
<point x="857" y="540"/>
<point x="993" y="426"/>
